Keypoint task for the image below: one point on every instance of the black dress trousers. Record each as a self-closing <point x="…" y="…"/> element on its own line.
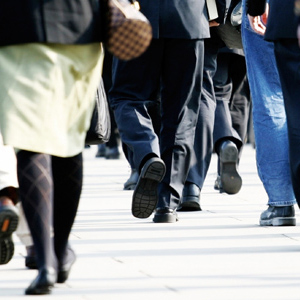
<point x="171" y="68"/>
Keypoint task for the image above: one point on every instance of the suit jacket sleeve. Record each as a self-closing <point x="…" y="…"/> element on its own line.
<point x="256" y="7"/>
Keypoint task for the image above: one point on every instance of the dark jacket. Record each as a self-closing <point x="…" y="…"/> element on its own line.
<point x="223" y="7"/>
<point x="282" y="22"/>
<point x="51" y="21"/>
<point x="176" y="18"/>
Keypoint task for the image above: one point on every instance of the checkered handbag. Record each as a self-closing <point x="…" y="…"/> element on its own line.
<point x="129" y="32"/>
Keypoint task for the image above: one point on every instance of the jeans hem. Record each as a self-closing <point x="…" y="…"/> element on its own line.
<point x="282" y="203"/>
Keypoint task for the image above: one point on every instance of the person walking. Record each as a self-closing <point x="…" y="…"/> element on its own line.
<point x="215" y="132"/>
<point x="50" y="67"/>
<point x="270" y="119"/>
<point x="231" y="117"/>
<point x="12" y="219"/>
<point x="171" y="67"/>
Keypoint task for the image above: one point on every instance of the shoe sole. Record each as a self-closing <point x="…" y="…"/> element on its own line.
<point x="278" y="222"/>
<point x="43" y="290"/>
<point x="165" y="218"/>
<point x="189" y="205"/>
<point x="231" y="181"/>
<point x="145" y="195"/>
<point x="9" y="220"/>
<point x="7" y="250"/>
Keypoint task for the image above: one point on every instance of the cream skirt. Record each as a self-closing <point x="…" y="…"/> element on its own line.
<point x="47" y="94"/>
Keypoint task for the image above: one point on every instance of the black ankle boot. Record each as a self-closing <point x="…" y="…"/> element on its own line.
<point x="43" y="283"/>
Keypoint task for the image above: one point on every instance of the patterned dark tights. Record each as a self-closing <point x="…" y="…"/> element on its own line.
<point x="50" y="189"/>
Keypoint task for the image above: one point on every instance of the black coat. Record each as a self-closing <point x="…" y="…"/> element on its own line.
<point x="51" y="21"/>
<point x="282" y="22"/>
<point x="176" y="18"/>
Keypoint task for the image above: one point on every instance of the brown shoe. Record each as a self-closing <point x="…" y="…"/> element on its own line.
<point x="8" y="224"/>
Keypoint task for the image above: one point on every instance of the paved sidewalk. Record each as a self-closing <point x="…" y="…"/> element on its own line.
<point x="218" y="253"/>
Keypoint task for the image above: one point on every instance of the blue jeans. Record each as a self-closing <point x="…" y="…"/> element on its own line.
<point x="269" y="118"/>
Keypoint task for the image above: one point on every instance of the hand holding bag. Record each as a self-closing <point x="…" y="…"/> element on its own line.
<point x="128" y="32"/>
<point x="100" y="128"/>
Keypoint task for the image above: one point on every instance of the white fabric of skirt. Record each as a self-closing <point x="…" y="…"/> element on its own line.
<point x="47" y="95"/>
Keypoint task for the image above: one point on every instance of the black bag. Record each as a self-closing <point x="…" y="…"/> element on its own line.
<point x="230" y="32"/>
<point x="100" y="128"/>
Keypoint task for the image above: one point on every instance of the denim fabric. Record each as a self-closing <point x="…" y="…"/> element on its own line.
<point x="269" y="118"/>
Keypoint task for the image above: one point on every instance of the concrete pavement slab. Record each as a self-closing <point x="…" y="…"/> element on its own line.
<point x="220" y="252"/>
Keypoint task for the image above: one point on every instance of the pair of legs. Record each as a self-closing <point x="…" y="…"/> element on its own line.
<point x="53" y="118"/>
<point x="50" y="189"/>
<point x="153" y="108"/>
<point x="161" y="70"/>
<point x="287" y="54"/>
<point x="270" y="126"/>
<point x="203" y="142"/>
<point x="231" y="118"/>
<point x="221" y="123"/>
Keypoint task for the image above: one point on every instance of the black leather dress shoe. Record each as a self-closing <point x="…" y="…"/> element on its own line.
<point x="43" y="283"/>
<point x="145" y="195"/>
<point x="231" y="181"/>
<point x="131" y="182"/>
<point x="8" y="224"/>
<point x="165" y="215"/>
<point x="190" y="198"/>
<point x="278" y="216"/>
<point x="65" y="268"/>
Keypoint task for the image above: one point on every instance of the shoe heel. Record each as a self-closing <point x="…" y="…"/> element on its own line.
<point x="229" y="154"/>
<point x="167" y="217"/>
<point x="155" y="171"/>
<point x="284" y="222"/>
